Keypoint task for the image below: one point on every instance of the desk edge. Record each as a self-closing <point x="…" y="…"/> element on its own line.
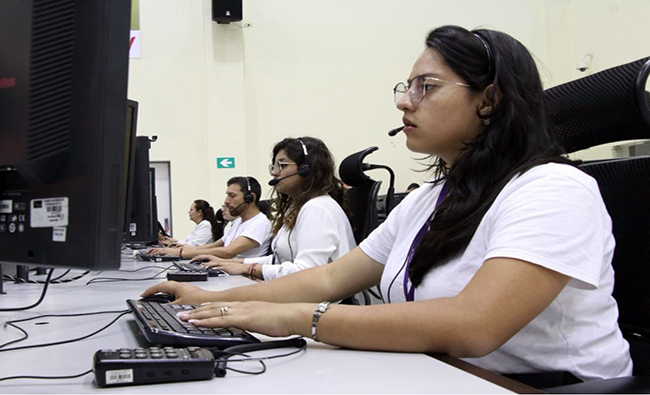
<point x="492" y="377"/>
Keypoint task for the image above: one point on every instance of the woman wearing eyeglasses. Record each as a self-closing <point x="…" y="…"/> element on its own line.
<point x="504" y="258"/>
<point x="310" y="226"/>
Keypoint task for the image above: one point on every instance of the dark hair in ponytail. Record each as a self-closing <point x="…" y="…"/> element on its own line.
<point x="209" y="215"/>
<point x="515" y="140"/>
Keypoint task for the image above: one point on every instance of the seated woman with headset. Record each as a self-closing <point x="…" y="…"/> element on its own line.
<point x="207" y="229"/>
<point x="310" y="226"/>
<point x="504" y="258"/>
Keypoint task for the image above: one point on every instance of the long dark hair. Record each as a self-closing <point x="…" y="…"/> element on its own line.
<point x="515" y="140"/>
<point x="320" y="180"/>
<point x="209" y="215"/>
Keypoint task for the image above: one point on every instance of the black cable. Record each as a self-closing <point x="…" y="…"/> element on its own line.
<point x="47" y="283"/>
<point x="37" y="268"/>
<point x="63" y="275"/>
<point x="46" y="377"/>
<point x="250" y="359"/>
<point x="57" y="280"/>
<point x="289" y="242"/>
<point x="377" y="295"/>
<point x="117" y="279"/>
<point x="263" y="370"/>
<point x="224" y="355"/>
<point x="393" y="280"/>
<point x="142" y="268"/>
<point x="67" y="280"/>
<point x="25" y="336"/>
<point x="11" y="323"/>
<point x="259" y="359"/>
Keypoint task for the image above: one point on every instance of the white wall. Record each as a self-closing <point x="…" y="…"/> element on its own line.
<point x="615" y="31"/>
<point x="326" y="68"/>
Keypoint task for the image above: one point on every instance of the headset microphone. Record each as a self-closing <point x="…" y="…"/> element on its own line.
<point x="233" y="210"/>
<point x="393" y="132"/>
<point x="276" y="181"/>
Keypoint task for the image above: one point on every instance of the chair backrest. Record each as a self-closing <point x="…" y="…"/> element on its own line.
<point x="361" y="197"/>
<point x="362" y="202"/>
<point x="625" y="186"/>
<point x="609" y="106"/>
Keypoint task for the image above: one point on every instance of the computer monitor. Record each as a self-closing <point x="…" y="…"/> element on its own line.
<point x="153" y="204"/>
<point x="132" y="107"/>
<point x="63" y="88"/>
<point x="143" y="221"/>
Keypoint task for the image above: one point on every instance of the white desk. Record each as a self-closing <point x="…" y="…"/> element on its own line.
<point x="321" y="369"/>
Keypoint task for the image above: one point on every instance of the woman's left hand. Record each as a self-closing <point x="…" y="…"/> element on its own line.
<point x="232" y="268"/>
<point x="272" y="319"/>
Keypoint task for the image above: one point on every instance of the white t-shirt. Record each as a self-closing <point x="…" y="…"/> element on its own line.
<point x="552" y="216"/>
<point x="257" y="228"/>
<point x="321" y="235"/>
<point x="201" y="234"/>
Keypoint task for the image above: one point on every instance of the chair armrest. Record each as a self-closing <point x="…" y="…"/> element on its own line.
<point x="619" y="385"/>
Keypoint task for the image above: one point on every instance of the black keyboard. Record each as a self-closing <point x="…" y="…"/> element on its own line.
<point x="160" y="326"/>
<point x="157" y="258"/>
<point x="196" y="267"/>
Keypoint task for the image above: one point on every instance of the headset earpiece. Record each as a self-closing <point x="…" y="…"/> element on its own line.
<point x="248" y="197"/>
<point x="304" y="169"/>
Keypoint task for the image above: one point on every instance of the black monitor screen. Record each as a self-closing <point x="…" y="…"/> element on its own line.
<point x="129" y="165"/>
<point x="63" y="85"/>
<point x="143" y="224"/>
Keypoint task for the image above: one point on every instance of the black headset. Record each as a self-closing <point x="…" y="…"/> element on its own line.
<point x="304" y="169"/>
<point x="248" y="197"/>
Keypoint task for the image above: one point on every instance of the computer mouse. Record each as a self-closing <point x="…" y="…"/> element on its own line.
<point x="159" y="298"/>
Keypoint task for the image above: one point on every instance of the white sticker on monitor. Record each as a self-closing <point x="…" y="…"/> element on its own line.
<point x="50" y="212"/>
<point x="59" y="233"/>
<point x="5" y="206"/>
<point x="119" y="376"/>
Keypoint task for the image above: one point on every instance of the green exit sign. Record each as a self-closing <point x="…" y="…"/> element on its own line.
<point x="227" y="162"/>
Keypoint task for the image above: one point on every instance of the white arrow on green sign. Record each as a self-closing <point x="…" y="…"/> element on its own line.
<point x="227" y="162"/>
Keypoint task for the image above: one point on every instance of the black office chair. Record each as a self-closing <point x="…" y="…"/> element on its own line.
<point x="606" y="107"/>
<point x="361" y="199"/>
<point x="362" y="195"/>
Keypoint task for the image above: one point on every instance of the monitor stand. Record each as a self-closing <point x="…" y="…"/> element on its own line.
<point x="22" y="272"/>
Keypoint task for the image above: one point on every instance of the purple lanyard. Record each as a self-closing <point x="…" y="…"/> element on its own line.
<point x="409" y="290"/>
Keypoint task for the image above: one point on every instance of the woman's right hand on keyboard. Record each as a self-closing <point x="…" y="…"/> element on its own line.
<point x="185" y="293"/>
<point x="213" y="261"/>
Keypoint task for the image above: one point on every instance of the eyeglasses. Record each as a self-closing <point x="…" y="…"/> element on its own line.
<point x="417" y="88"/>
<point x="279" y="166"/>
